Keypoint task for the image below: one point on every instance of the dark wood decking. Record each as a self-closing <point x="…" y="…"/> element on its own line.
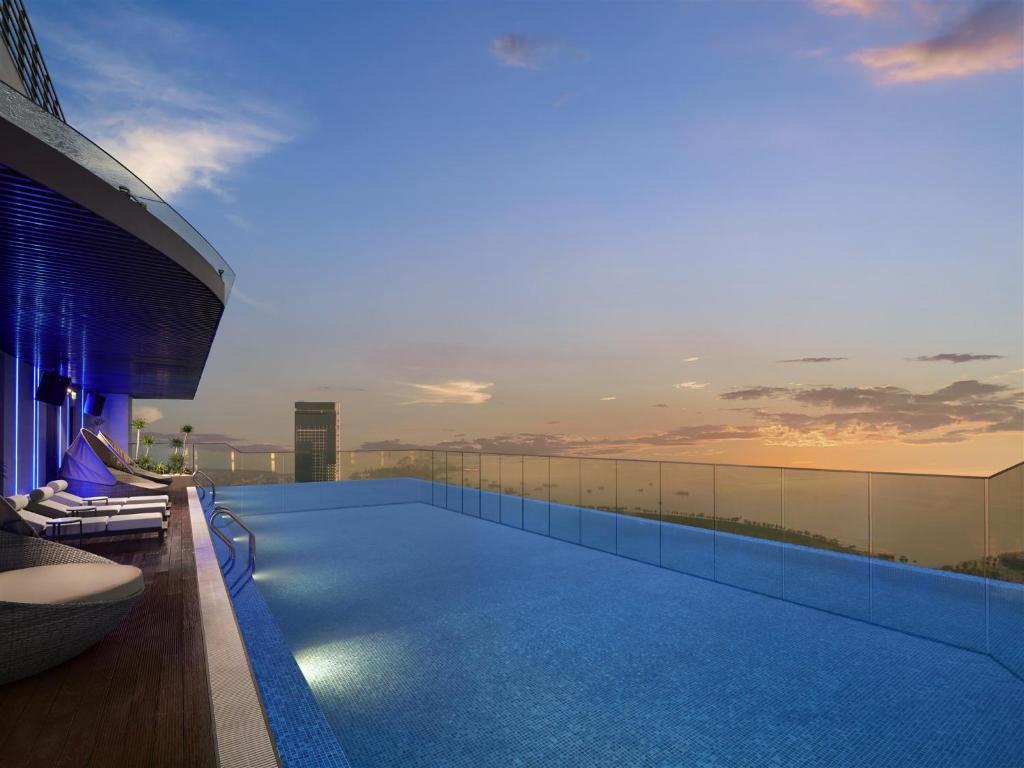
<point x="140" y="696"/>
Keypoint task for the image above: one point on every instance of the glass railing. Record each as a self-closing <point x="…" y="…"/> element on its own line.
<point x="960" y="524"/>
<point x="938" y="556"/>
<point x="37" y="122"/>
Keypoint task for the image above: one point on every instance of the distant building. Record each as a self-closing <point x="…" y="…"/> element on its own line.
<point x="317" y="438"/>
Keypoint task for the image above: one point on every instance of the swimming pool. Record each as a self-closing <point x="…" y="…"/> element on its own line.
<point x="433" y="638"/>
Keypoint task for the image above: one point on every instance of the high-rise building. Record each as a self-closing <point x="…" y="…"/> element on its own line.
<point x="317" y="438"/>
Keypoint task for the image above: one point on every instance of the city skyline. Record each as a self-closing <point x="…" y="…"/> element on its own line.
<point x="787" y="234"/>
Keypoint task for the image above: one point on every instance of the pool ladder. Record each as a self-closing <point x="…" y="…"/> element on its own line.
<point x="221" y="511"/>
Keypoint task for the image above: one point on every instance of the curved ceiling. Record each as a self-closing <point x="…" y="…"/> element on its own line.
<point x="85" y="296"/>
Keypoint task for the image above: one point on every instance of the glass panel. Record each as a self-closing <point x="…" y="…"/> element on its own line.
<point x="1006" y="566"/>
<point x="471" y="484"/>
<point x="565" y="481"/>
<point x="565" y="499"/>
<point x="490" y="485"/>
<point x="359" y="465"/>
<point x="639" y="504"/>
<point x="597" y="484"/>
<point x="826" y="516"/>
<point x="688" y="518"/>
<point x="597" y="492"/>
<point x="639" y="489"/>
<point x="440" y="469"/>
<point x="749" y="513"/>
<point x="1006" y="525"/>
<point x="938" y="522"/>
<point x="453" y="481"/>
<point x="535" y="493"/>
<point x="827" y="510"/>
<point x="511" y="468"/>
<point x="535" y="477"/>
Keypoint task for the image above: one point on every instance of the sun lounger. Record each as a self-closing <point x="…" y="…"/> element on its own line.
<point x="52" y="524"/>
<point x="63" y="495"/>
<point x="42" y="501"/>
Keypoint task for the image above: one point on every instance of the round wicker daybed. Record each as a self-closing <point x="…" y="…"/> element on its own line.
<point x="56" y="601"/>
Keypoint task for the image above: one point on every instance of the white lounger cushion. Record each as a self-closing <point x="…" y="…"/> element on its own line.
<point x="145" y="521"/>
<point x="159" y="509"/>
<point x="70" y="583"/>
<point x="62" y="494"/>
<point x="163" y="499"/>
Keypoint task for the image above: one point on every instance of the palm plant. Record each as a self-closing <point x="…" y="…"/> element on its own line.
<point x="176" y="443"/>
<point x="186" y="430"/>
<point x="138" y="425"/>
<point x="147" y="440"/>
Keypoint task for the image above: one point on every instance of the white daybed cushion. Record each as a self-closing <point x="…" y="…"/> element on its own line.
<point x="163" y="499"/>
<point x="158" y="509"/>
<point x="70" y="583"/>
<point x="144" y="521"/>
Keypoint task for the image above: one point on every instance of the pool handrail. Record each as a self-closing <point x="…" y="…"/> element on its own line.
<point x="221" y="509"/>
<point x="202" y="490"/>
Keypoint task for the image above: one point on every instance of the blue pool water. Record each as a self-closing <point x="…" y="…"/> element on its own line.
<point x="430" y="638"/>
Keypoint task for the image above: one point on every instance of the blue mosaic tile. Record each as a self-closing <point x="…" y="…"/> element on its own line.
<point x="431" y="638"/>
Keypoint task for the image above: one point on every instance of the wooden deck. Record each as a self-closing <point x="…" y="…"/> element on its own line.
<point x="140" y="696"/>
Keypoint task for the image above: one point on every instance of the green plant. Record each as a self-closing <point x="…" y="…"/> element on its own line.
<point x="145" y="462"/>
<point x="176" y="443"/>
<point x="138" y="425"/>
<point x="147" y="440"/>
<point x="176" y="463"/>
<point x="161" y="468"/>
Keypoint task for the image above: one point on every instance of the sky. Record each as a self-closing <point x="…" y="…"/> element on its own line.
<point x="786" y="233"/>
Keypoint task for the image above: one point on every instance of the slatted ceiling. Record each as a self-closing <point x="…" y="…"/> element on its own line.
<point x="85" y="294"/>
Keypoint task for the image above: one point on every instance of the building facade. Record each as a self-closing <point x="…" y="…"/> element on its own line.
<point x="317" y="439"/>
<point x="102" y="283"/>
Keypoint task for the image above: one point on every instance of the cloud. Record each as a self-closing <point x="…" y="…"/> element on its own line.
<point x="866" y="8"/>
<point x="162" y="114"/>
<point x="813" y="360"/>
<point x="147" y="413"/>
<point x="455" y="392"/>
<point x="755" y="393"/>
<point x="830" y="416"/>
<point x="691" y="384"/>
<point x="691" y="360"/>
<point x="174" y="155"/>
<point x="609" y="397"/>
<point x="987" y="40"/>
<point x="245" y="298"/>
<point x="523" y="52"/>
<point x="953" y="357"/>
<point x="949" y="414"/>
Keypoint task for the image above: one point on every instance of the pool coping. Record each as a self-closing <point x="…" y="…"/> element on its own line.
<point x="241" y="731"/>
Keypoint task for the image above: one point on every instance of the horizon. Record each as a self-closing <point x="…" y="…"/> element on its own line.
<point x="785" y="235"/>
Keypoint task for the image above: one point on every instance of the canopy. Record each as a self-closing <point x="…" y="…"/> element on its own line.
<point x="83" y="465"/>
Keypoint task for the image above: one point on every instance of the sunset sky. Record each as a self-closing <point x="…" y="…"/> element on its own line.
<point x="780" y="232"/>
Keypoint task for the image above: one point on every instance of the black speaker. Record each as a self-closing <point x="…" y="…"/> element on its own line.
<point x="94" y="403"/>
<point x="53" y="388"/>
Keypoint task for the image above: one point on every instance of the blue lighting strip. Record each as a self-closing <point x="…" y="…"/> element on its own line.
<point x="35" y="429"/>
<point x="17" y="419"/>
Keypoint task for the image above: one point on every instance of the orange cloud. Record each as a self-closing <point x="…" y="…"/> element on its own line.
<point x="850" y="7"/>
<point x="988" y="40"/>
<point x="458" y="392"/>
